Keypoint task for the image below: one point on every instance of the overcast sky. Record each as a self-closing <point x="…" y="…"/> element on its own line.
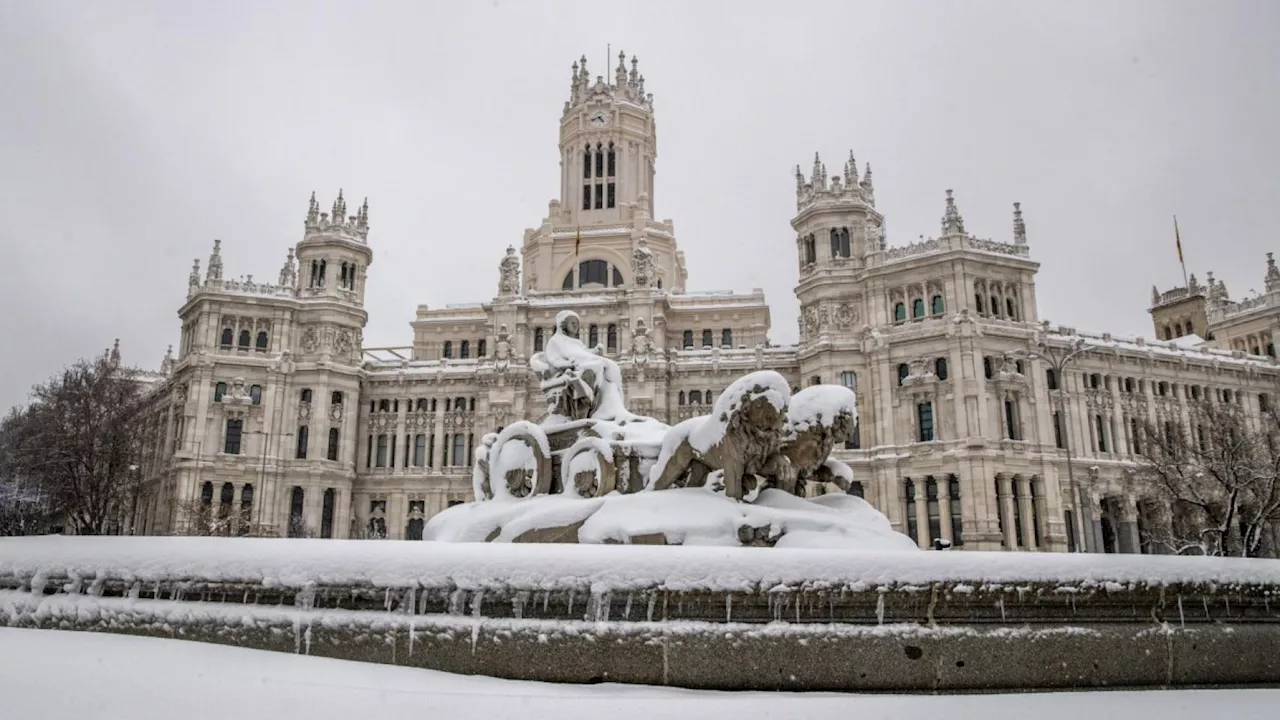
<point x="132" y="134"/>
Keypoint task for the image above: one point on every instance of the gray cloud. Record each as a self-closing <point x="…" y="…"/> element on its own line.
<point x="133" y="134"/>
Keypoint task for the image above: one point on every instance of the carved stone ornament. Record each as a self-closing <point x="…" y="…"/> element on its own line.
<point x="310" y="340"/>
<point x="509" y="273"/>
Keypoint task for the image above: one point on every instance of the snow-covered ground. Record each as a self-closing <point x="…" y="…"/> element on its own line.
<point x="54" y="675"/>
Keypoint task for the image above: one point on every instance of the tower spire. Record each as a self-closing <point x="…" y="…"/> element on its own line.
<point x="851" y="171"/>
<point x="952" y="223"/>
<point x="313" y="210"/>
<point x="339" y="209"/>
<point x="868" y="190"/>
<point x="215" y="263"/>
<point x="1019" y="227"/>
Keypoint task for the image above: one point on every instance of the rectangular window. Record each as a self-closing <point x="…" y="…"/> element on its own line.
<point x="368" y="455"/>
<point x="599" y="196"/>
<point x="586" y="197"/>
<point x="326" y="514"/>
<point x="612" y="163"/>
<point x="333" y="443"/>
<point x="924" y="418"/>
<point x="391" y="456"/>
<point x="599" y="164"/>
<point x="1058" y="439"/>
<point x="611" y="197"/>
<point x="1136" y="434"/>
<point x="849" y="379"/>
<point x="431" y="450"/>
<point x="912" y="530"/>
<point x="232" y="444"/>
<point x="301" y="453"/>
<point x="408" y="446"/>
<point x="935" y="518"/>
<point x="419" y="449"/>
<point x="1102" y="437"/>
<point x="957" y="518"/>
<point x="458" y="453"/>
<point x="381" y="460"/>
<point x="1011" y="420"/>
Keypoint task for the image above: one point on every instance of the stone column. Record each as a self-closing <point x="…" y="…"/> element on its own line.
<point x="1093" y="514"/>
<point x="437" y="440"/>
<point x="1026" y="511"/>
<point x="312" y="505"/>
<point x="1005" y="493"/>
<point x="1128" y="540"/>
<point x="944" y="508"/>
<point x="342" y="514"/>
<point x="922" y="513"/>
<point x="1040" y="501"/>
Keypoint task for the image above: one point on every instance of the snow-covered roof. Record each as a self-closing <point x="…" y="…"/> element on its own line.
<point x="1182" y="348"/>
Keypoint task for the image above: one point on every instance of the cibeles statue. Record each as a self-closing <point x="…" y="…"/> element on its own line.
<point x="580" y="383"/>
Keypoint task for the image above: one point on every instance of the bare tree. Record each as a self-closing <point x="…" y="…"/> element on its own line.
<point x="78" y="442"/>
<point x="196" y="517"/>
<point x="1219" y="479"/>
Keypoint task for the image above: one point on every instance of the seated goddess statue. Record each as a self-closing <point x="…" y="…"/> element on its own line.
<point x="580" y="383"/>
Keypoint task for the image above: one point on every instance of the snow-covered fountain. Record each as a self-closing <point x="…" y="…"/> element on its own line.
<point x="756" y="471"/>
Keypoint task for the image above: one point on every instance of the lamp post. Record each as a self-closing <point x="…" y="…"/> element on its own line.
<point x="1057" y="358"/>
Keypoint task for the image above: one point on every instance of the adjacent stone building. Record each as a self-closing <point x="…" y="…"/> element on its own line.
<point x="273" y="410"/>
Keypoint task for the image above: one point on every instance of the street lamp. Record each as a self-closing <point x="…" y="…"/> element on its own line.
<point x="1057" y="358"/>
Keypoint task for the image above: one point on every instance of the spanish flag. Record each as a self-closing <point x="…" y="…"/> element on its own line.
<point x="1177" y="238"/>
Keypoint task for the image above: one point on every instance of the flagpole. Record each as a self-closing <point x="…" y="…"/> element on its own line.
<point x="1177" y="236"/>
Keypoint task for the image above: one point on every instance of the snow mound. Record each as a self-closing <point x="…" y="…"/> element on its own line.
<point x="820" y="405"/>
<point x="680" y="516"/>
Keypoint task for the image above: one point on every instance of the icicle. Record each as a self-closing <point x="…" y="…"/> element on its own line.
<point x="475" y="636"/>
<point x="728" y="607"/>
<point x="546" y="599"/>
<point x="1181" y="618"/>
<point x="627" y="612"/>
<point x="413" y="634"/>
<point x="570" y="602"/>
<point x="1001" y="604"/>
<point x="1206" y="606"/>
<point x="134" y="590"/>
<point x="880" y="609"/>
<point x="386" y="600"/>
<point x="307" y="637"/>
<point x="476" y="601"/>
<point x="653" y="600"/>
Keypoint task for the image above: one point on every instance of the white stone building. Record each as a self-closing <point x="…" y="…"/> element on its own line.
<point x="273" y="405"/>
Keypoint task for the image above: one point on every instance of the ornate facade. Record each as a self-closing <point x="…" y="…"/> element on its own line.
<point x="275" y="413"/>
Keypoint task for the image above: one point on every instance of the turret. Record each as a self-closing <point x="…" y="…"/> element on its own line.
<point x="834" y="216"/>
<point x="333" y="253"/>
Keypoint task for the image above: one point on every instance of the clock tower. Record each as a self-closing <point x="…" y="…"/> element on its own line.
<point x="601" y="232"/>
<point x="607" y="145"/>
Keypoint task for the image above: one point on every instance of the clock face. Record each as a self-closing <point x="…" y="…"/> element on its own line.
<point x="598" y="119"/>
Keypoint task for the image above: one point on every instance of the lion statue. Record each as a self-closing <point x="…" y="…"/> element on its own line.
<point x="741" y="438"/>
<point x="818" y="418"/>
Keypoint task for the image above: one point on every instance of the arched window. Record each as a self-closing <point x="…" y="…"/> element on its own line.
<point x="610" y="167"/>
<point x="726" y="338"/>
<point x="323" y="266"/>
<point x="617" y="276"/>
<point x="810" y="250"/>
<point x="593" y="336"/>
<point x="306" y="395"/>
<point x="218" y="391"/>
<point x="611" y="338"/>
<point x="333" y="444"/>
<point x="228" y="336"/>
<point x="459" y="403"/>
<point x="695" y="397"/>
<point x="835" y="242"/>
<point x="384" y="405"/>
<point x="599" y="160"/>
<point x="471" y="405"/>
<point x="593" y="272"/>
<point x="688" y="339"/>
<point x="448" y="349"/>
<point x="917" y="308"/>
<point x="301" y="453"/>
<point x="315" y="273"/>
<point x="1051" y="378"/>
<point x="995" y="306"/>
<point x="938" y="305"/>
<point x="244" y="338"/>
<point x="335" y="398"/>
<point x="1010" y="310"/>
<point x="537" y="339"/>
<point x="683" y="399"/>
<point x="568" y="282"/>
<point x="706" y="338"/>
<point x="464" y="351"/>
<point x="940" y="368"/>
<point x="482" y="347"/>
<point x="206" y="494"/>
<point x="903" y="371"/>
<point x="255" y="394"/>
<point x="986" y="368"/>
<point x="977" y="302"/>
<point x="297" y="524"/>
<point x="261" y="343"/>
<point x="586" y="162"/>
<point x="899" y="312"/>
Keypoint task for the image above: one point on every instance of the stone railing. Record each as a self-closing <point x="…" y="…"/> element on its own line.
<point x="244" y="287"/>
<point x="788" y="619"/>
<point x="931" y="246"/>
<point x="1224" y="311"/>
